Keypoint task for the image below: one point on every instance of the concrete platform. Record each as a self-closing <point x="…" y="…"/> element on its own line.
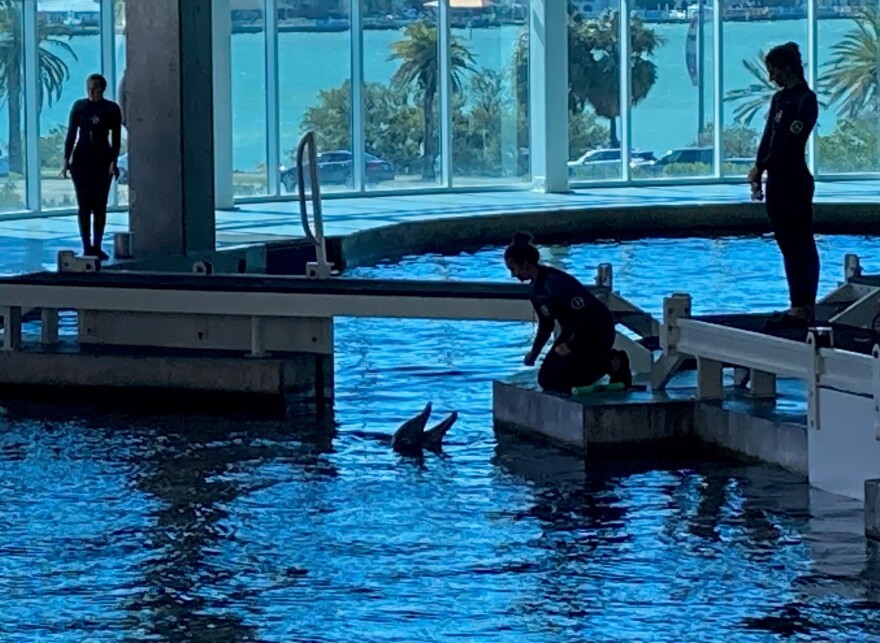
<point x="605" y="422"/>
<point x="150" y="378"/>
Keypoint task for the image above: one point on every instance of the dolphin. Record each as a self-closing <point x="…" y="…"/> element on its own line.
<point x="411" y="437"/>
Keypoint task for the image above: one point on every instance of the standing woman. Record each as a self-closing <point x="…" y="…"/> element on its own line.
<point x="790" y="187"/>
<point x="90" y="154"/>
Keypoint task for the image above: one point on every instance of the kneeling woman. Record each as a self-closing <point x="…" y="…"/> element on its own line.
<point x="583" y="351"/>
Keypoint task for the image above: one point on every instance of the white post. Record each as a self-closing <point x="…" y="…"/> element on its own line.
<point x="221" y="45"/>
<point x="108" y="66"/>
<point x="718" y="86"/>
<point x="676" y="307"/>
<point x="812" y="73"/>
<point x="358" y="142"/>
<point x="625" y="90"/>
<point x="31" y="44"/>
<point x="48" y="326"/>
<point x="813" y="384"/>
<point x="445" y="83"/>
<point x="548" y="94"/>
<point x="763" y="385"/>
<point x="11" y="316"/>
<point x="875" y="363"/>
<point x="273" y="145"/>
<point x="710" y="385"/>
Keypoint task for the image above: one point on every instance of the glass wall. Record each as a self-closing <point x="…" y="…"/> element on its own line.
<point x="434" y="94"/>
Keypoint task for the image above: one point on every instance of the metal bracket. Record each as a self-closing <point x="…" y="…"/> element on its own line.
<point x="813" y="382"/>
<point x="875" y="354"/>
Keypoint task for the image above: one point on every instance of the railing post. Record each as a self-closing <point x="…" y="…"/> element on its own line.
<point x="605" y="276"/>
<point x="763" y="385"/>
<point x="48" y="326"/>
<point x="852" y="267"/>
<point x="675" y="307"/>
<point x="258" y="337"/>
<point x="710" y="385"/>
<point x="319" y="269"/>
<point x="11" y="327"/>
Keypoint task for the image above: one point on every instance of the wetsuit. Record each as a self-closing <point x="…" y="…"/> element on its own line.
<point x="95" y="130"/>
<point x="586" y="326"/>
<point x="790" y="187"/>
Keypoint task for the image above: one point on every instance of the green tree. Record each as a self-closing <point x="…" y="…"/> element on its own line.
<point x="419" y="69"/>
<point x="53" y="73"/>
<point x="594" y="66"/>
<point x="853" y="146"/>
<point x="391" y="127"/>
<point x="851" y="77"/>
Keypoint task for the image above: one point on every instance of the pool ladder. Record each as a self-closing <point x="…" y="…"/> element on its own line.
<point x="321" y="268"/>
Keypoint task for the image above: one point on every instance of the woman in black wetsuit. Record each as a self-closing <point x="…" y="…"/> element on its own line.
<point x="90" y="154"/>
<point x="782" y="154"/>
<point x="583" y="351"/>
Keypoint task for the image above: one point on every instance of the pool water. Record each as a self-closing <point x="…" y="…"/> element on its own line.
<point x="117" y="527"/>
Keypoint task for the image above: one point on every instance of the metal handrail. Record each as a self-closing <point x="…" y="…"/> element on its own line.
<point x="317" y="238"/>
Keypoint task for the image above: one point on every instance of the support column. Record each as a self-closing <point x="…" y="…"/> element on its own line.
<point x="224" y="196"/>
<point x="169" y="82"/>
<point x="548" y="94"/>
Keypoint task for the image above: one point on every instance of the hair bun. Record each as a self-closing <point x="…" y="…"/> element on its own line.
<point x="522" y="239"/>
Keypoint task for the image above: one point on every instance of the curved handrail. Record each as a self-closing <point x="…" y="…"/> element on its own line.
<point x="307" y="143"/>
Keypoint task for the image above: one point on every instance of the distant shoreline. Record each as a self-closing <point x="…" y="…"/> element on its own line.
<point x="480" y="23"/>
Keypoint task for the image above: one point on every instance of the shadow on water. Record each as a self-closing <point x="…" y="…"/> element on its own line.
<point x="810" y="544"/>
<point x="191" y="469"/>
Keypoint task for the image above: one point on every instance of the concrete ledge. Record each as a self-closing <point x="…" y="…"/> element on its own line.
<point x="609" y="421"/>
<point x="781" y="443"/>
<point x="211" y="380"/>
<point x="454" y="234"/>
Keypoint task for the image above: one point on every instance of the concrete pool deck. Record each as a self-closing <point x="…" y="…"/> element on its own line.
<point x="29" y="244"/>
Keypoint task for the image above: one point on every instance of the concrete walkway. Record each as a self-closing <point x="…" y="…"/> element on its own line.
<point x="32" y="244"/>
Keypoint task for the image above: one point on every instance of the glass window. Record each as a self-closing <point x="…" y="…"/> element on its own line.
<point x="847" y="132"/>
<point x="249" y="135"/>
<point x="119" y="49"/>
<point x="749" y="32"/>
<point x="490" y="135"/>
<point x="672" y="83"/>
<point x="314" y="70"/>
<point x="401" y="97"/>
<point x="594" y="91"/>
<point x="70" y="50"/>
<point x="12" y="97"/>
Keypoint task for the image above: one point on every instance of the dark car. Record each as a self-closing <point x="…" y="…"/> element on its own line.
<point x="336" y="168"/>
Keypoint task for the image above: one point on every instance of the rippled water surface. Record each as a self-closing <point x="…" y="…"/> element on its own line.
<point x="207" y="529"/>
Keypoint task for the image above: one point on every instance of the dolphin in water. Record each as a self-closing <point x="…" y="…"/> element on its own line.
<point x="411" y="438"/>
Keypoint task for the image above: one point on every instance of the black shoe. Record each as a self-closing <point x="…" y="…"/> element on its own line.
<point x="620" y="369"/>
<point x="787" y="321"/>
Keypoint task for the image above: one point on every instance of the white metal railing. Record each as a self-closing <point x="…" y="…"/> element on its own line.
<point x="320" y="268"/>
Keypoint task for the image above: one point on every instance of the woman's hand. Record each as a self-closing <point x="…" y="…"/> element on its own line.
<point x="64" y="169"/>
<point x="562" y="349"/>
<point x="754" y="175"/>
<point x="114" y="171"/>
<point x="530" y="358"/>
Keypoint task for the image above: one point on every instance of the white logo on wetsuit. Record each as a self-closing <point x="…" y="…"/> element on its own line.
<point x="577" y="303"/>
<point x="796" y="127"/>
<point x="95" y="120"/>
<point x="778" y="116"/>
<point x="545" y="311"/>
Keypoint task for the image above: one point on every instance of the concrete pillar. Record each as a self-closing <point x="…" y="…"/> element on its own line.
<point x="872" y="509"/>
<point x="224" y="195"/>
<point x="548" y="94"/>
<point x="169" y="89"/>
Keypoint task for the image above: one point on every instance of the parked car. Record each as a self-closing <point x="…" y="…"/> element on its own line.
<point x="122" y="164"/>
<point x="335" y="167"/>
<point x="690" y="155"/>
<point x="605" y="161"/>
<point x="4" y="165"/>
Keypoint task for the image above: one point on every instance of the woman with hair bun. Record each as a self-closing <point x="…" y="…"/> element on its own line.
<point x="583" y="351"/>
<point x="794" y="110"/>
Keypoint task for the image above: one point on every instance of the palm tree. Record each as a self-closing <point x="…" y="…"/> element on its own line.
<point x="754" y="98"/>
<point x="419" y="54"/>
<point x="53" y="73"/>
<point x="594" y="65"/>
<point x="851" y="77"/>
